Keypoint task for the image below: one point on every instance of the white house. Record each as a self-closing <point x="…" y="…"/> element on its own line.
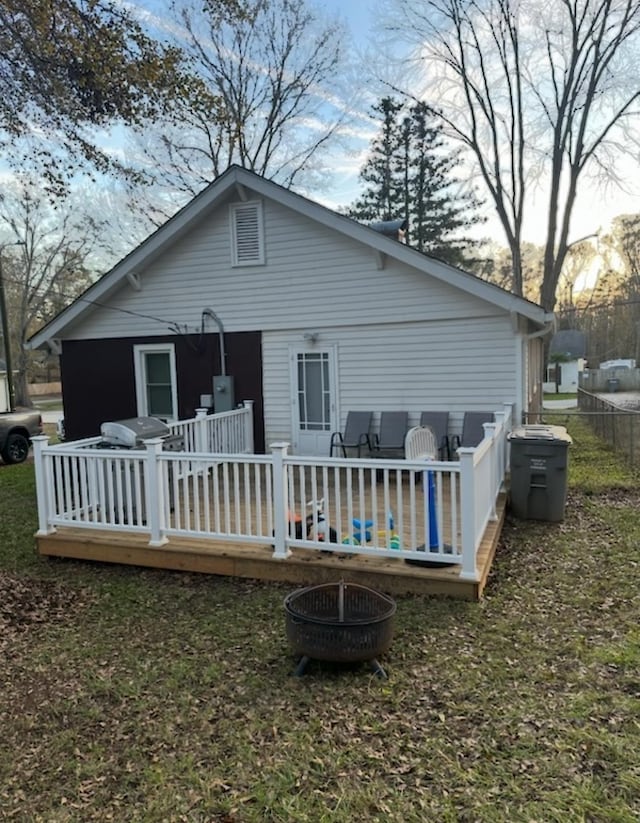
<point x="567" y="353"/>
<point x="252" y="292"/>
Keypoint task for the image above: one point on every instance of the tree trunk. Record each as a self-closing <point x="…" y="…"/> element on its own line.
<point x="20" y="386"/>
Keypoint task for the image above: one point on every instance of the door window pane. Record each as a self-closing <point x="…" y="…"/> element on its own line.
<point x="314" y="402"/>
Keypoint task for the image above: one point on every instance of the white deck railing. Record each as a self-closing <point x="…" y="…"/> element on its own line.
<point x="227" y="432"/>
<point x="435" y="511"/>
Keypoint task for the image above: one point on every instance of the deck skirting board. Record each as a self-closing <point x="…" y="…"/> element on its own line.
<point x="256" y="562"/>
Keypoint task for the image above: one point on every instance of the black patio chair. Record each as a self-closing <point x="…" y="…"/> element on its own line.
<point x="389" y="442"/>
<point x="439" y="422"/>
<point x="472" y="430"/>
<point x="355" y="435"/>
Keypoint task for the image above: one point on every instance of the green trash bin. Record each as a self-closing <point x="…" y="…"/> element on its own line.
<point x="539" y="459"/>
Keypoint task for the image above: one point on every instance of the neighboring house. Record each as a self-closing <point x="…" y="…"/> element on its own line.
<point x="567" y="352"/>
<point x="628" y="363"/>
<point x="273" y="298"/>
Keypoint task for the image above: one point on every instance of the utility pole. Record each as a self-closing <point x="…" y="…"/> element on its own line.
<point x="5" y="328"/>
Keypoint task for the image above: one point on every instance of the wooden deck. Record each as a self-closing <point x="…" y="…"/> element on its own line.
<point x="303" y="567"/>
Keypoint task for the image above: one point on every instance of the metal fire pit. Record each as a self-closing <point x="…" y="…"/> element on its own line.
<point x="339" y="623"/>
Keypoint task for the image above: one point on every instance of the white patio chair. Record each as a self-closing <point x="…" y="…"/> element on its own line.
<point x="421" y="444"/>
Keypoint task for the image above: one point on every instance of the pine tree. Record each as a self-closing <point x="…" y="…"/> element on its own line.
<point x="409" y="175"/>
<point x="379" y="199"/>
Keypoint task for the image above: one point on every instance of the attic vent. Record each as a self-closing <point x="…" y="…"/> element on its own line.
<point x="247" y="236"/>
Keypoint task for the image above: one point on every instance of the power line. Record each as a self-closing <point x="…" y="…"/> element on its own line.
<point x="591" y="306"/>
<point x="170" y="323"/>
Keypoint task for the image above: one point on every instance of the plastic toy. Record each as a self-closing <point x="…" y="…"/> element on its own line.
<point x="363" y="534"/>
<point x="363" y="531"/>
<point x="390" y="538"/>
<point x="434" y="540"/>
<point x="317" y="527"/>
<point x="293" y="517"/>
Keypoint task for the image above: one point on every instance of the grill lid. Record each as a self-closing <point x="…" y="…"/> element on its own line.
<point x="130" y="433"/>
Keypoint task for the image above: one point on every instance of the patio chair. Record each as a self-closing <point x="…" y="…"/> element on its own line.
<point x="439" y="422"/>
<point x="355" y="435"/>
<point x="420" y="444"/>
<point x="389" y="442"/>
<point x="472" y="430"/>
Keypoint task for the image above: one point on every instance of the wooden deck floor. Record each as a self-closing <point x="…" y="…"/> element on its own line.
<point x="251" y="561"/>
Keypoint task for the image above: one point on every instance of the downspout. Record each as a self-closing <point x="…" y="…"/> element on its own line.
<point x="223" y="357"/>
<point x="549" y="326"/>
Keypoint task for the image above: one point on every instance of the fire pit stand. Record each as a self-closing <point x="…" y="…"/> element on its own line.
<point x="339" y="623"/>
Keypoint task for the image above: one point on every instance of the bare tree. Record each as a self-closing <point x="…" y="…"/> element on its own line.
<point x="46" y="264"/>
<point x="578" y="261"/>
<point x="267" y="107"/>
<point x="540" y="94"/>
<point x="622" y="250"/>
<point x="624" y="241"/>
<point x="494" y="264"/>
<point x="69" y="69"/>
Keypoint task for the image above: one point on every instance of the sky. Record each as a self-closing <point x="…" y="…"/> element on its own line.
<point x="594" y="209"/>
<point x="595" y="206"/>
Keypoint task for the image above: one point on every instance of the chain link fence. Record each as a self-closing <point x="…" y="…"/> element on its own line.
<point x="615" y="422"/>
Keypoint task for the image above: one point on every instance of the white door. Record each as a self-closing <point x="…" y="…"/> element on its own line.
<point x="313" y="382"/>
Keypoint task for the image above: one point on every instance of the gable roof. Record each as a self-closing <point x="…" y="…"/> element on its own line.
<point x="244" y="183"/>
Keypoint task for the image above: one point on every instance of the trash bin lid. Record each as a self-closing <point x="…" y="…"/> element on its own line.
<point x="541" y="433"/>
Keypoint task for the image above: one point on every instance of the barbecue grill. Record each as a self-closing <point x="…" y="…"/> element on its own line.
<point x="131" y="434"/>
<point x="124" y="475"/>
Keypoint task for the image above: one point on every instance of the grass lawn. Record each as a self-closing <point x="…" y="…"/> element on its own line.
<point x="136" y="695"/>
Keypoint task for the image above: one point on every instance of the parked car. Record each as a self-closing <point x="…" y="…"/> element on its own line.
<point x="16" y="430"/>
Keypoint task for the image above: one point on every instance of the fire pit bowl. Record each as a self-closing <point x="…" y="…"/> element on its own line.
<point x="339" y="623"/>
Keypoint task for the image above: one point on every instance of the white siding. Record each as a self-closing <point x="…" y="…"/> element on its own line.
<point x="405" y="340"/>
<point x="413" y="366"/>
<point x="312" y="276"/>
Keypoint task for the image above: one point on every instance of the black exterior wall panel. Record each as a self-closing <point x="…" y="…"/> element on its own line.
<point x="98" y="377"/>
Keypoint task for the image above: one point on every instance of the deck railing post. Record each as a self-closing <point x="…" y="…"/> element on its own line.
<point x="467" y="514"/>
<point x="201" y="430"/>
<point x="280" y="499"/>
<point x="507" y="411"/>
<point x="495" y="459"/>
<point x="154" y="497"/>
<point x="499" y="429"/>
<point x="508" y="423"/>
<point x="248" y="426"/>
<point x="42" y="487"/>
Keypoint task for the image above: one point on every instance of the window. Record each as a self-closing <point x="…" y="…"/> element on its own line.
<point x="156" y="386"/>
<point x="247" y="234"/>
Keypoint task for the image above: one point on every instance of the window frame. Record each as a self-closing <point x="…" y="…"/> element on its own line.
<point x="140" y="369"/>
